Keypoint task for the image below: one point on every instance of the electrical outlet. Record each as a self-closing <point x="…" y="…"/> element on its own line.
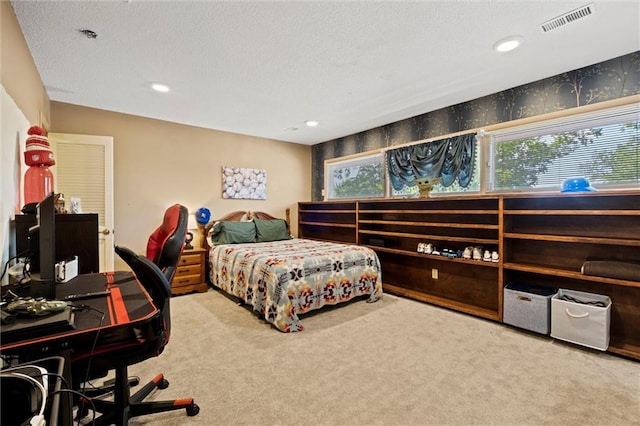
<point x="434" y="274"/>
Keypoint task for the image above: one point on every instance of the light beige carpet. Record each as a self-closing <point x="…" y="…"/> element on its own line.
<point x="394" y="362"/>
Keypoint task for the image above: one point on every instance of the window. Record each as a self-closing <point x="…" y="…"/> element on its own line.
<point x="603" y="146"/>
<point x="361" y="177"/>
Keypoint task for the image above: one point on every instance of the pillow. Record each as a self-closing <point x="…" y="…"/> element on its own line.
<point x="234" y="232"/>
<point x="271" y="230"/>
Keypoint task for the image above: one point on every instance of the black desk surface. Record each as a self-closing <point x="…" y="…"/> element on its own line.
<point x="109" y="317"/>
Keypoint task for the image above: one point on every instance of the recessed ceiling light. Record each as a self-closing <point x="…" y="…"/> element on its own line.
<point x="159" y="87"/>
<point x="311" y="123"/>
<point x="508" y="44"/>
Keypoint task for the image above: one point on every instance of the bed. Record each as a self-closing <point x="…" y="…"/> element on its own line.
<point x="281" y="277"/>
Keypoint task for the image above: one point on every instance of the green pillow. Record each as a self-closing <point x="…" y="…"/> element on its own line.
<point x="234" y="232"/>
<point x="271" y="230"/>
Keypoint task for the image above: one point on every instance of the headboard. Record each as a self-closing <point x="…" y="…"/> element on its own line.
<point x="238" y="216"/>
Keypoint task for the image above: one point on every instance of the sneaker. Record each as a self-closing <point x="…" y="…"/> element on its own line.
<point x="420" y="247"/>
<point x="429" y="249"/>
<point x="435" y="252"/>
<point x="477" y="253"/>
<point x="495" y="257"/>
<point x="486" y="257"/>
<point x="466" y="254"/>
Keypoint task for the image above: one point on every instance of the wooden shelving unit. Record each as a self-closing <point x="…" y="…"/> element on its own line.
<point x="329" y="221"/>
<point x="542" y="239"/>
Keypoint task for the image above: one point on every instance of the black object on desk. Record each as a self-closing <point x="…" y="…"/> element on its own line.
<point x="33" y="327"/>
<point x="76" y="235"/>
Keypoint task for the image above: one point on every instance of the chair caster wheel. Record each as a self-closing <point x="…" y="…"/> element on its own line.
<point x="163" y="384"/>
<point x="192" y="410"/>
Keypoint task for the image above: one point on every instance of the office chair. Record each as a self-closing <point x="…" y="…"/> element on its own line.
<point x="166" y="243"/>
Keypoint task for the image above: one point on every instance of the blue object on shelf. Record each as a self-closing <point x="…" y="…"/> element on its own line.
<point x="577" y="184"/>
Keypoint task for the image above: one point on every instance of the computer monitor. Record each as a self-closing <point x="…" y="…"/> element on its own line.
<point x="43" y="281"/>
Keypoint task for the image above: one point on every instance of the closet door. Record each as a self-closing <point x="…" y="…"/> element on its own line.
<point x="84" y="170"/>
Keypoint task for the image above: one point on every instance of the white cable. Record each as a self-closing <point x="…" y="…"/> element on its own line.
<point x="40" y="416"/>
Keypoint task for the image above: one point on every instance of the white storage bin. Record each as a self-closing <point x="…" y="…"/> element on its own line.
<point x="528" y="307"/>
<point x="582" y="323"/>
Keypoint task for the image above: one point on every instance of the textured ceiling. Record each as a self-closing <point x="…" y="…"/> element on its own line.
<point x="264" y="68"/>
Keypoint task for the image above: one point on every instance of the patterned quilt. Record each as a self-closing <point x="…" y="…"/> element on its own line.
<point x="283" y="279"/>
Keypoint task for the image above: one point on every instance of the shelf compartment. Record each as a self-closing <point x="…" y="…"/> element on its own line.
<point x="537" y="269"/>
<point x="430" y="224"/>
<point x="574" y="239"/>
<point x="434" y="257"/>
<point x="340" y="234"/>
<point x="446" y="303"/>
<point x="564" y="255"/>
<point x="579" y="203"/>
<point x="334" y="225"/>
<point x="613" y="227"/>
<point x="429" y="237"/>
<point x="458" y="283"/>
<point x="607" y="212"/>
<point x="625" y="299"/>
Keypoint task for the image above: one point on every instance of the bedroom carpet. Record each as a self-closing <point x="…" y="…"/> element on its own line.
<point x="394" y="362"/>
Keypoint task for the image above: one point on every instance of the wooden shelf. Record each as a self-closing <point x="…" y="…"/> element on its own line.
<point x="542" y="238"/>
<point x="333" y="224"/>
<point x="462" y="307"/>
<point x="574" y="212"/>
<point x="574" y="239"/>
<point x="432" y="237"/>
<point x="422" y="211"/>
<point x="536" y="269"/>
<point x="469" y="262"/>
<point x="327" y="211"/>
<point x="431" y="224"/>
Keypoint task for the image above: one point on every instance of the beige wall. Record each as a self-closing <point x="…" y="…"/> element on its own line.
<point x="158" y="163"/>
<point x="18" y="72"/>
<point x="23" y="102"/>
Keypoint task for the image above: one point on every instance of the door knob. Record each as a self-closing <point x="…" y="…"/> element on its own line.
<point x="106" y="231"/>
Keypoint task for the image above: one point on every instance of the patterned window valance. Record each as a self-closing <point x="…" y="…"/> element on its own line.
<point x="449" y="159"/>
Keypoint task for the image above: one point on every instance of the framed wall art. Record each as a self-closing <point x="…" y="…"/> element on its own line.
<point x="241" y="183"/>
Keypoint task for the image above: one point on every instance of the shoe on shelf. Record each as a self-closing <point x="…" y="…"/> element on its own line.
<point x="434" y="251"/>
<point x="486" y="257"/>
<point x="477" y="253"/>
<point x="420" y="247"/>
<point x="467" y="253"/>
<point x="495" y="257"/>
<point x="428" y="249"/>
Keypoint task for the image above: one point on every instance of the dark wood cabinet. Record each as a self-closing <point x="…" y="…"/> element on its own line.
<point x="540" y="239"/>
<point x="76" y="235"/>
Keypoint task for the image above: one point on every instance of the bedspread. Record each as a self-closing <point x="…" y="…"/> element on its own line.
<point x="282" y="279"/>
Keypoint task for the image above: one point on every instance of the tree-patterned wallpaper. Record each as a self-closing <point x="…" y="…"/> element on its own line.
<point x="612" y="79"/>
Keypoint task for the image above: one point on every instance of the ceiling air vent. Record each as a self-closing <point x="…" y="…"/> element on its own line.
<point x="567" y="18"/>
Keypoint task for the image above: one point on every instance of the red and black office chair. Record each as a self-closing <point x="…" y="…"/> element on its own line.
<point x="165" y="245"/>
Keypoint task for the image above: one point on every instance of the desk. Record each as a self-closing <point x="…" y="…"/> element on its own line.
<point x="128" y="306"/>
<point x="129" y="314"/>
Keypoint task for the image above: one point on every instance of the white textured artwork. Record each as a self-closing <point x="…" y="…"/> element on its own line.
<point x="244" y="183"/>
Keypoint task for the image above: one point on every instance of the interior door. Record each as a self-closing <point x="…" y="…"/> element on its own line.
<point x="84" y="171"/>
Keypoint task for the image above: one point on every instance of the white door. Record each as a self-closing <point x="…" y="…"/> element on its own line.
<point x="84" y="170"/>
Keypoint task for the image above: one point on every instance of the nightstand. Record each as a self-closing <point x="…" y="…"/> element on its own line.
<point x="189" y="276"/>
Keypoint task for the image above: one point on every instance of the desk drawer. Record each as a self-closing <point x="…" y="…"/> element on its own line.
<point x="185" y="280"/>
<point x="189" y="259"/>
<point x="188" y="270"/>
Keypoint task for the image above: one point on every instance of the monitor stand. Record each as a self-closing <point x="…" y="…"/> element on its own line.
<point x="41" y="287"/>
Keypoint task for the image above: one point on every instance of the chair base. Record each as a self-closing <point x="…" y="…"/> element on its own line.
<point x="125" y="406"/>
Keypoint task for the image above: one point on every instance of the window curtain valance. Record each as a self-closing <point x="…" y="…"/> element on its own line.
<point x="449" y="159"/>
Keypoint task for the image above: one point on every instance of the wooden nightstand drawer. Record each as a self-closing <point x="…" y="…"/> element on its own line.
<point x="188" y="270"/>
<point x="189" y="275"/>
<point x="190" y="259"/>
<point x="185" y="280"/>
